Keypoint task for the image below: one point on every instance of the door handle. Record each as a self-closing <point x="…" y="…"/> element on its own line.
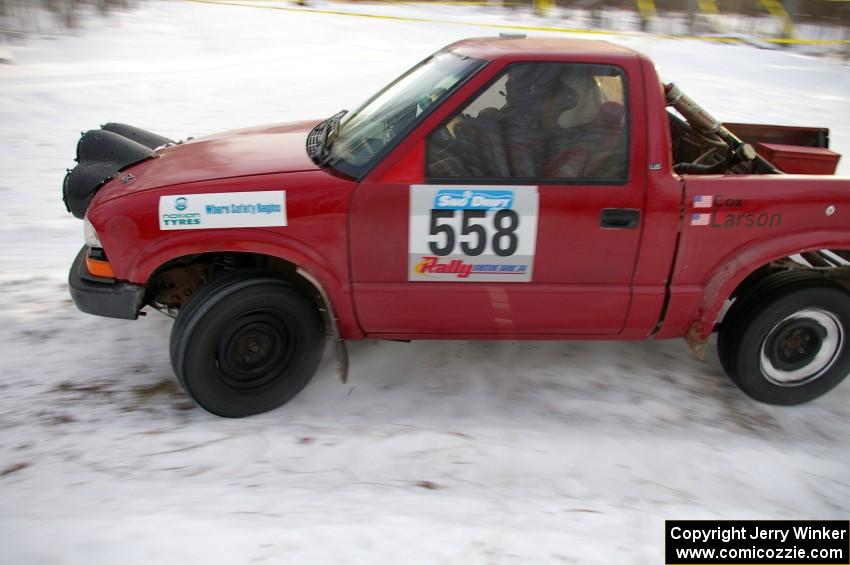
<point x="619" y="218"/>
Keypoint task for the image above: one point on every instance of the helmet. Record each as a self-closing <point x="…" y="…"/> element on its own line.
<point x="530" y="80"/>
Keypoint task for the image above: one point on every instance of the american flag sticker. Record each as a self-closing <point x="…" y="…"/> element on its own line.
<point x="700" y="219"/>
<point x="703" y="201"/>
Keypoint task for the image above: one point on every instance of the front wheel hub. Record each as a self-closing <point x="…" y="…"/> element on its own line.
<point x="801" y="347"/>
<point x="255" y="349"/>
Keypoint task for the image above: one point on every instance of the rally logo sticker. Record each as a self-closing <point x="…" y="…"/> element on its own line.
<point x="223" y="210"/>
<point x="472" y="233"/>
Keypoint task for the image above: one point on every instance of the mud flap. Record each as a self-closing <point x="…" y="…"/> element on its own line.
<point x="340" y="350"/>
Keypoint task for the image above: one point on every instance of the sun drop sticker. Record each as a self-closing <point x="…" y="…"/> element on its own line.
<point x="472" y="233"/>
<point x="223" y="210"/>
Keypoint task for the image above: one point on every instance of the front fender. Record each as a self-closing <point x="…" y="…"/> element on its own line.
<point x="742" y="262"/>
<point x="265" y="242"/>
<point x="314" y="240"/>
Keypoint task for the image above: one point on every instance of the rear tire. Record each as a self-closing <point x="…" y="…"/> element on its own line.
<point x="788" y="341"/>
<point x="246" y="343"/>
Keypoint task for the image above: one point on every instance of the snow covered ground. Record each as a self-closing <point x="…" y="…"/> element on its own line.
<point x="477" y="452"/>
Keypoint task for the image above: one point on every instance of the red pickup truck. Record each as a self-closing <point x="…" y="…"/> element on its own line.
<point x="503" y="188"/>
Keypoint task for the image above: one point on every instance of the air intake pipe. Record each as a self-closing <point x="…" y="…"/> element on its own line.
<point x="707" y="125"/>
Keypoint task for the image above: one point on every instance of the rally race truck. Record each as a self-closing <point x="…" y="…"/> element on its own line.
<point x="503" y="188"/>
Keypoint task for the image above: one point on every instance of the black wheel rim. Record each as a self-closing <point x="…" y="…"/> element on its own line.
<point x="255" y="350"/>
<point x="801" y="347"/>
<point x="795" y="344"/>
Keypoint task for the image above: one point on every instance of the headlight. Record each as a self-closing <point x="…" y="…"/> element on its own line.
<point x="91" y="236"/>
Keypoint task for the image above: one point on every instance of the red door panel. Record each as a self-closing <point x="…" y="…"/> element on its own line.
<point x="581" y="282"/>
<point x="582" y="271"/>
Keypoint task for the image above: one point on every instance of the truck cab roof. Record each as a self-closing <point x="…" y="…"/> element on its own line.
<point x="540" y="48"/>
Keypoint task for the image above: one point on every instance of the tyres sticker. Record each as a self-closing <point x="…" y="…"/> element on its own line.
<point x="223" y="210"/>
<point x="472" y="233"/>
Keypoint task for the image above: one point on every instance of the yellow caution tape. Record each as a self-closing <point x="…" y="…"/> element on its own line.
<point x="417" y="19"/>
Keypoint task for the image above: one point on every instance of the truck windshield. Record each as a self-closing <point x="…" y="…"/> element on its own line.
<point x="366" y="132"/>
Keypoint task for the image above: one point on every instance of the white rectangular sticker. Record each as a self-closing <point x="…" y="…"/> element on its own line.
<point x="223" y="210"/>
<point x="474" y="233"/>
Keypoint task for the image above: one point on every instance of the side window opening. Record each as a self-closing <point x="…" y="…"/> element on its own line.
<point x="553" y="121"/>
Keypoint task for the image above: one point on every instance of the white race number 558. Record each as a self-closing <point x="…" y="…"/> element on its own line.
<point x="472" y="233"/>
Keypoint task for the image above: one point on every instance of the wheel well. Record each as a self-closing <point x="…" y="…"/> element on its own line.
<point x="173" y="283"/>
<point x="833" y="264"/>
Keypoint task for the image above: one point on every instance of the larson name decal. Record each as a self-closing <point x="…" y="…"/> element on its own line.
<point x="719" y="211"/>
<point x="723" y="219"/>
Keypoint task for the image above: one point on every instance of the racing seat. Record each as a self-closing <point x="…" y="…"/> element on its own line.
<point x="595" y="150"/>
<point x="484" y="144"/>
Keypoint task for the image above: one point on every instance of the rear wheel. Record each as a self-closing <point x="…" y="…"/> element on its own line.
<point x="789" y="345"/>
<point x="246" y="343"/>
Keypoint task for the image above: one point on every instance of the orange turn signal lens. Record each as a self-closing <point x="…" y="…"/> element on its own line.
<point x="99" y="268"/>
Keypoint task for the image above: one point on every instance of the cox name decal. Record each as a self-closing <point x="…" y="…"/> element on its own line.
<point x="718" y="211"/>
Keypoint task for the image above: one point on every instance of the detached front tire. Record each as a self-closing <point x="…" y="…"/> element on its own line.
<point x="246" y="343"/>
<point x="789" y="344"/>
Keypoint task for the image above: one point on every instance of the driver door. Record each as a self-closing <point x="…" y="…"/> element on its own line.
<point x="499" y="223"/>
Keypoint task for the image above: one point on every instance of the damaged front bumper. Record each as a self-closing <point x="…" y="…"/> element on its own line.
<point x="102" y="296"/>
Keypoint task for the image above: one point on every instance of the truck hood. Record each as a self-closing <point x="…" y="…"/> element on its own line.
<point x="259" y="150"/>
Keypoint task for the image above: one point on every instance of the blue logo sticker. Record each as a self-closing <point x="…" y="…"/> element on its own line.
<point x="474" y="200"/>
<point x="181" y="203"/>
